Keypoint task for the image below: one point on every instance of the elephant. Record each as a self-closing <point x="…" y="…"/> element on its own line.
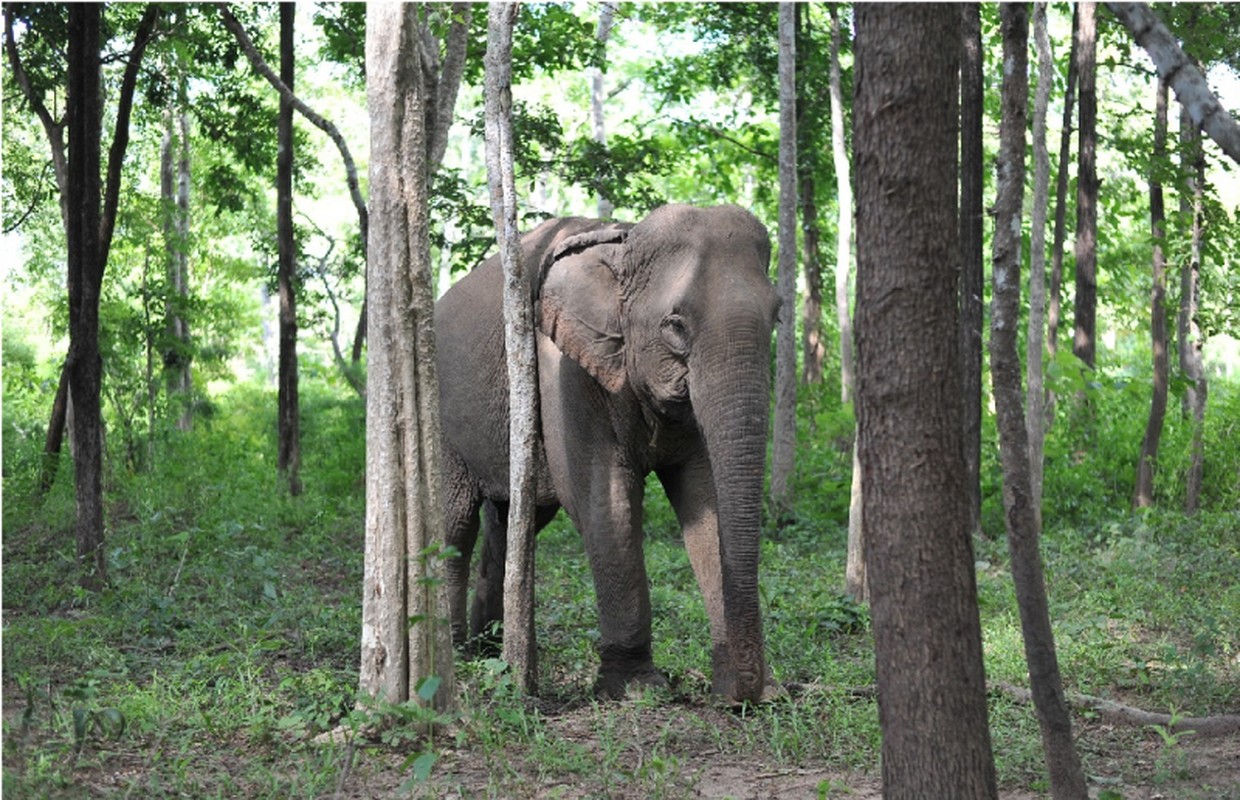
<point x="653" y="355"/>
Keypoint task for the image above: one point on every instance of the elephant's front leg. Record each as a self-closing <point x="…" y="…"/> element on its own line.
<point x="611" y="524"/>
<point x="690" y="488"/>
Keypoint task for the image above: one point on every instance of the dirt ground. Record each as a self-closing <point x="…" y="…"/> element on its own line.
<point x="1123" y="762"/>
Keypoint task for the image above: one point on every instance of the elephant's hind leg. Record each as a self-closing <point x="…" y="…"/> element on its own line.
<point x="462" y="499"/>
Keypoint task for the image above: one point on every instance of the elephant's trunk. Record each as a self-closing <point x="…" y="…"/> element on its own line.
<point x="732" y="407"/>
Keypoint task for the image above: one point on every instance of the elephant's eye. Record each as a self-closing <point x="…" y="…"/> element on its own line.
<point x="675" y="334"/>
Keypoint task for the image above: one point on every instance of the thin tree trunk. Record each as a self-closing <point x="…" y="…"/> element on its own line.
<point x="174" y="194"/>
<point x="1143" y="491"/>
<point x="1035" y="412"/>
<point x="406" y="649"/>
<point x="1190" y="86"/>
<point x="288" y="457"/>
<point x="1191" y="338"/>
<point x="972" y="168"/>
<point x="1084" y="344"/>
<point x="783" y="452"/>
<point x="844" y="195"/>
<point x="1067" y="778"/>
<point x="520" y="644"/>
<point x="598" y="85"/>
<point x="919" y="556"/>
<point x="856" y="584"/>
<point x="1061" y="194"/>
<point x="180" y="284"/>
<point x="813" y="349"/>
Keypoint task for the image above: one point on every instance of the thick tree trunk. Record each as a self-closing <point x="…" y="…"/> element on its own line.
<point x="844" y="195"/>
<point x="972" y="169"/>
<point x="1191" y="338"/>
<point x="1061" y="194"/>
<point x="813" y="347"/>
<point x="919" y="556"/>
<point x="1035" y="412"/>
<point x="520" y="643"/>
<point x="1085" y="304"/>
<point x="406" y="639"/>
<point x="783" y="451"/>
<point x="288" y="456"/>
<point x="1190" y="86"/>
<point x="1143" y="491"/>
<point x="1067" y="778"/>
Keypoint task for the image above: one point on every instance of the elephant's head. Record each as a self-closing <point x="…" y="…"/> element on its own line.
<point x="679" y="309"/>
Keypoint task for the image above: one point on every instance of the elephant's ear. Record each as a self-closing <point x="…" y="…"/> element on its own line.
<point x="579" y="305"/>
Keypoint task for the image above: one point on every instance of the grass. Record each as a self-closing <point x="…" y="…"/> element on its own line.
<point x="229" y="637"/>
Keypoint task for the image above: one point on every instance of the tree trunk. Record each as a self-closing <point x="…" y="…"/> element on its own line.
<point x="288" y="457"/>
<point x="856" y="585"/>
<point x="844" y="195"/>
<point x="406" y="650"/>
<point x="813" y="348"/>
<point x="1085" y="307"/>
<point x="1067" y="779"/>
<point x="972" y="167"/>
<point x="919" y="556"/>
<point x="1191" y="338"/>
<point x="1190" y="86"/>
<point x="598" y="83"/>
<point x="1143" y="491"/>
<point x="1061" y="194"/>
<point x="84" y="107"/>
<point x="520" y="643"/>
<point x="783" y="451"/>
<point x="1035" y="412"/>
<point x="174" y="195"/>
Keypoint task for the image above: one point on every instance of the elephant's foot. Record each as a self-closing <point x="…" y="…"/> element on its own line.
<point x="724" y="682"/>
<point x="622" y="669"/>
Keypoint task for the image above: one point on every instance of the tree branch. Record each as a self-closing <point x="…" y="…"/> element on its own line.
<point x="54" y="130"/>
<point x="120" y="139"/>
<point x="1217" y="725"/>
<point x="1179" y="71"/>
<point x="260" y="66"/>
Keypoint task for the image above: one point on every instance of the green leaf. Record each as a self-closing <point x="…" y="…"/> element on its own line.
<point x="428" y="687"/>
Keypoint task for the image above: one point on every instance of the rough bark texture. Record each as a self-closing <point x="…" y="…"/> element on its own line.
<point x="405" y="638"/>
<point x="174" y="188"/>
<point x="84" y="103"/>
<point x="1143" y="490"/>
<point x="520" y="644"/>
<point x="1174" y="67"/>
<point x="288" y="456"/>
<point x="783" y="451"/>
<point x="972" y="112"/>
<point x="1035" y="412"/>
<point x="813" y="344"/>
<point x="931" y="683"/>
<point x="1061" y="194"/>
<point x="844" y="198"/>
<point x="1085" y="304"/>
<point x="1067" y="778"/>
<point x="1190" y="336"/>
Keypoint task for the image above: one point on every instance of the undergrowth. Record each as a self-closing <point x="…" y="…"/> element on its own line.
<point x="228" y="637"/>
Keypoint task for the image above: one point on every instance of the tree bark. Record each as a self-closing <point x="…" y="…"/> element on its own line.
<point x="174" y="193"/>
<point x="1173" y="66"/>
<point x="84" y="109"/>
<point x="598" y="85"/>
<point x="406" y="649"/>
<point x="288" y="456"/>
<point x="1035" y="412"/>
<point x="1143" y="491"/>
<point x="928" y="652"/>
<point x="783" y="451"/>
<point x="1067" y="778"/>
<point x="520" y="643"/>
<point x="844" y="195"/>
<point x="1191" y="338"/>
<point x="1085" y="304"/>
<point x="1061" y="194"/>
<point x="972" y="167"/>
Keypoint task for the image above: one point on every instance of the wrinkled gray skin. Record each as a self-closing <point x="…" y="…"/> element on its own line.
<point x="653" y="356"/>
